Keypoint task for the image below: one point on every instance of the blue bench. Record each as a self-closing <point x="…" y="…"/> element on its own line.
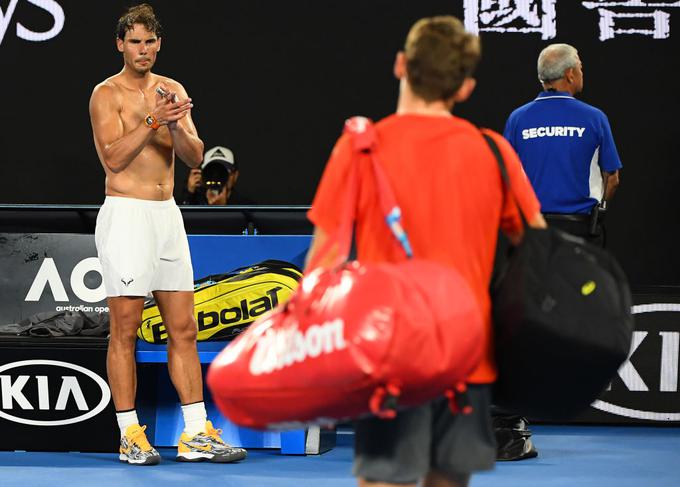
<point x="168" y="423"/>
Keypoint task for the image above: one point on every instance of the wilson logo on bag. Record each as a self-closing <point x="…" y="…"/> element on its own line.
<point x="225" y="304"/>
<point x="277" y="349"/>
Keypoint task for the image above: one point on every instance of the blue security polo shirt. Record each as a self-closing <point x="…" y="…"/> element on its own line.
<point x="563" y="144"/>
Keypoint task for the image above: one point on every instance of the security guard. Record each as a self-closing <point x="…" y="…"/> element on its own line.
<point x="566" y="147"/>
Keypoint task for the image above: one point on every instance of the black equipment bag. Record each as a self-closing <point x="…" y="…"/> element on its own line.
<point x="563" y="322"/>
<point x="513" y="438"/>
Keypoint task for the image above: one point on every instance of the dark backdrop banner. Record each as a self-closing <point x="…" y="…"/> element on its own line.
<point x="273" y="81"/>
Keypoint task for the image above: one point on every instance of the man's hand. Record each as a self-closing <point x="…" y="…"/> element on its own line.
<point x="215" y="197"/>
<point x="169" y="108"/>
<point x="174" y="110"/>
<point x="194" y="180"/>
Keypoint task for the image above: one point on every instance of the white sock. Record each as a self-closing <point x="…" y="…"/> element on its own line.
<point x="194" y="418"/>
<point x="125" y="419"/>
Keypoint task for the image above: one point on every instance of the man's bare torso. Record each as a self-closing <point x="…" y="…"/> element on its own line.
<point x="150" y="175"/>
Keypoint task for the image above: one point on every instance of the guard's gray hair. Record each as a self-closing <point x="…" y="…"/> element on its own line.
<point x="554" y="60"/>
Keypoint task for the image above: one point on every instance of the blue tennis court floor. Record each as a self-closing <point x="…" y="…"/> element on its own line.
<point x="574" y="456"/>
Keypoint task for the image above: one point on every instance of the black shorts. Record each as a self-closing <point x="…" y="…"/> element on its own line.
<point x="425" y="438"/>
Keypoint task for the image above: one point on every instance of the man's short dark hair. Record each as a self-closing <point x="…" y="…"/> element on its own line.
<point x="139" y="14"/>
<point x="440" y="54"/>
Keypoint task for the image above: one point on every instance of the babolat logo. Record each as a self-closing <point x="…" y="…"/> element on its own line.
<point x="243" y="312"/>
<point x="277" y="349"/>
<point x="646" y="386"/>
<point x="50" y="393"/>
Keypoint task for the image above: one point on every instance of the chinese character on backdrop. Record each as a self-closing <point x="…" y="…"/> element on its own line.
<point x="523" y="16"/>
<point x="644" y="17"/>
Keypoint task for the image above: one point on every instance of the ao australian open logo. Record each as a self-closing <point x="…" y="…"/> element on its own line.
<point x="50" y="393"/>
<point x="646" y="386"/>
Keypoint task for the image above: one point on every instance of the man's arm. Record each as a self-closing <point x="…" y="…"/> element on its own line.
<point x="536" y="222"/>
<point x="610" y="162"/>
<point x="318" y="241"/>
<point x="612" y="181"/>
<point x="116" y="148"/>
<point x="186" y="143"/>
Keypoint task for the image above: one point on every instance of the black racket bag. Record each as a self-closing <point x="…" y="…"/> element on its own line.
<point x="563" y="322"/>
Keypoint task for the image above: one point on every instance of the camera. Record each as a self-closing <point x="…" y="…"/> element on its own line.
<point x="215" y="177"/>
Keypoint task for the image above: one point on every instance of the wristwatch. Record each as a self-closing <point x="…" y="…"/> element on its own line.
<point x="151" y="122"/>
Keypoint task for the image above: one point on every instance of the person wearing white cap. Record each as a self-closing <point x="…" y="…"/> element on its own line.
<point x="212" y="183"/>
<point x="219" y="175"/>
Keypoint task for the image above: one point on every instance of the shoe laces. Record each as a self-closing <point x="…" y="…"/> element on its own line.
<point x="214" y="433"/>
<point x="138" y="437"/>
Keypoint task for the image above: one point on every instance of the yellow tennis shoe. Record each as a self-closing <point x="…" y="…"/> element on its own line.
<point x="207" y="446"/>
<point x="135" y="449"/>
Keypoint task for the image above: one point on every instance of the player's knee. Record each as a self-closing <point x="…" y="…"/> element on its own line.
<point x="124" y="333"/>
<point x="182" y="331"/>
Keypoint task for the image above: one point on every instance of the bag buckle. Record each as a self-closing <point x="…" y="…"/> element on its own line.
<point x="384" y="401"/>
<point x="459" y="399"/>
<point x="363" y="133"/>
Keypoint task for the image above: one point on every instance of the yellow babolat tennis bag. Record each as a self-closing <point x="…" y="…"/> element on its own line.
<point x="225" y="304"/>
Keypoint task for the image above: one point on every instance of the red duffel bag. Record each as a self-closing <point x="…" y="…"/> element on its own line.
<point x="356" y="339"/>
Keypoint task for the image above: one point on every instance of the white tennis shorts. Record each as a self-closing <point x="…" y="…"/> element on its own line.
<point x="142" y="247"/>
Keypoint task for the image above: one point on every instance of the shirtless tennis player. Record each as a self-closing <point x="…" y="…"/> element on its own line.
<point x="140" y="235"/>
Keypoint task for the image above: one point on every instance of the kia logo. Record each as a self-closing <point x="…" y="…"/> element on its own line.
<point x="661" y="343"/>
<point x="34" y="393"/>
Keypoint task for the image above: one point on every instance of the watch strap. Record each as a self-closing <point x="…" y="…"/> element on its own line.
<point x="151" y="122"/>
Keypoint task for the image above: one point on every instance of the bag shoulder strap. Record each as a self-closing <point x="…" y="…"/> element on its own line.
<point x="507" y="187"/>
<point x="499" y="158"/>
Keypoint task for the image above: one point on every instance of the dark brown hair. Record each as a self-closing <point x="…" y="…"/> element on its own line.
<point x="139" y="14"/>
<point x="440" y="54"/>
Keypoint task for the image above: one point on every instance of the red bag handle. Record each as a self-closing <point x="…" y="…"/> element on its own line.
<point x="364" y="140"/>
